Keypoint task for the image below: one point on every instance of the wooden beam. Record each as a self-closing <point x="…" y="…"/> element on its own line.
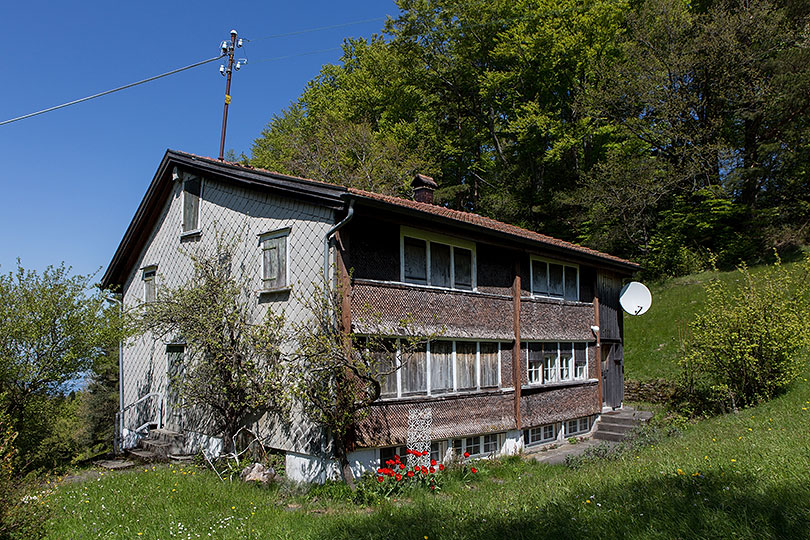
<point x="516" y="360"/>
<point x="598" y="345"/>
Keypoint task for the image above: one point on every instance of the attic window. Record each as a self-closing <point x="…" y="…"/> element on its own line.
<point x="149" y="287"/>
<point x="192" y="192"/>
<point x="437" y="261"/>
<point x="555" y="279"/>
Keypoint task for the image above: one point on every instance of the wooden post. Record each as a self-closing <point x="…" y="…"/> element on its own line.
<point x="598" y="346"/>
<point x="516" y="360"/>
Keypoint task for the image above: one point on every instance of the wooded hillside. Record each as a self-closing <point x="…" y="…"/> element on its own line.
<point x="662" y="131"/>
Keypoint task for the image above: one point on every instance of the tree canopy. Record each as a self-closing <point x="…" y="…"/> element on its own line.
<point x="660" y="130"/>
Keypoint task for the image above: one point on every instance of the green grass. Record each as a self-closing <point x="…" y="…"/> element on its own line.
<point x="744" y="475"/>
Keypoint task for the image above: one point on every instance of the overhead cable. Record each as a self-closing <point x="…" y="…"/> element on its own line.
<point x="74" y="102"/>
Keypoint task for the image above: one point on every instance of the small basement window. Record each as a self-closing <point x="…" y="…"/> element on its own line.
<point x="540" y="434"/>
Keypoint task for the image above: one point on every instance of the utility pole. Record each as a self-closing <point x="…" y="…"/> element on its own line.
<point x="228" y="48"/>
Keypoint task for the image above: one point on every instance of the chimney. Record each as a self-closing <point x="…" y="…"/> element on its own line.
<point x="423" y="187"/>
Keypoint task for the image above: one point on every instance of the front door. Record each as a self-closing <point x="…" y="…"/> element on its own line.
<point x="612" y="375"/>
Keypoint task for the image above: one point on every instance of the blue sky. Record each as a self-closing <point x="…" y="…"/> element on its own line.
<point x="72" y="179"/>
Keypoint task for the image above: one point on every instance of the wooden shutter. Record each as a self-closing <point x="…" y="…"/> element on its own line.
<point x="489" y="364"/>
<point x="441" y="366"/>
<point x="465" y="364"/>
<point x="274" y="262"/>
<point x="192" y="189"/>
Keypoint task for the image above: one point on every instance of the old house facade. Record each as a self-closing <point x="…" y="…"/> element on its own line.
<point x="530" y="347"/>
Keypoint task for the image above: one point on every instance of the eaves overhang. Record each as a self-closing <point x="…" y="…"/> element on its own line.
<point x="504" y="232"/>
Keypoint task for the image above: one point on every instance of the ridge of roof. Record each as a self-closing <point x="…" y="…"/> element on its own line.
<point x="488" y="223"/>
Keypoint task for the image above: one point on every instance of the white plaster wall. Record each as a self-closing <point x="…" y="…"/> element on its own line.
<point x="228" y="210"/>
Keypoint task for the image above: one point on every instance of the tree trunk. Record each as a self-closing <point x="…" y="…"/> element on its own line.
<point x="343" y="460"/>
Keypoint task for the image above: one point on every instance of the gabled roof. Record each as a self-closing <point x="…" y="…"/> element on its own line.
<point x="322" y="193"/>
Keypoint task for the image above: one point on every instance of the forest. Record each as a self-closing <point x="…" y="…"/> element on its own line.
<point x="671" y="132"/>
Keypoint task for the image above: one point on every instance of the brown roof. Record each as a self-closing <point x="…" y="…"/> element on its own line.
<point x="488" y="223"/>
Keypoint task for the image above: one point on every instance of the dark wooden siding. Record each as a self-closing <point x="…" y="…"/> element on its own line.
<point x="610" y="314"/>
<point x="374" y="251"/>
<point x="496" y="269"/>
<point x="540" y="405"/>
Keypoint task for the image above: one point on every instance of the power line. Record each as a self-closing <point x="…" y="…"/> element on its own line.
<point x="318" y="29"/>
<point x="307" y="53"/>
<point x="88" y="98"/>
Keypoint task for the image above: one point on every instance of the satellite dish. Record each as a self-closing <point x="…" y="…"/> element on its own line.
<point x="635" y="298"/>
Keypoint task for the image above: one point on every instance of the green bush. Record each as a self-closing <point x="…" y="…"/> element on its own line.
<point x="21" y="514"/>
<point x="744" y="346"/>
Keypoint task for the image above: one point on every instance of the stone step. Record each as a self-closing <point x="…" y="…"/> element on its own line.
<point x="619" y="420"/>
<point x="617" y="428"/>
<point x="181" y="458"/>
<point x="144" y="455"/>
<point x="618" y="423"/>
<point x="162" y="448"/>
<point x="165" y="435"/>
<point x="609" y="435"/>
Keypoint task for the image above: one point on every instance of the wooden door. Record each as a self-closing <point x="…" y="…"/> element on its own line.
<point x="612" y="375"/>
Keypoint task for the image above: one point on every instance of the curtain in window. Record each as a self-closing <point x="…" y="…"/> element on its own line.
<point x="465" y="364"/>
<point x="489" y="364"/>
<point x="414" y="372"/>
<point x="441" y="366"/>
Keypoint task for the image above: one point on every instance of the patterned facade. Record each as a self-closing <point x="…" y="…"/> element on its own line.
<point x="499" y="311"/>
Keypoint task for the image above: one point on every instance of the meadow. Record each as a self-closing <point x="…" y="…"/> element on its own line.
<point x="743" y="475"/>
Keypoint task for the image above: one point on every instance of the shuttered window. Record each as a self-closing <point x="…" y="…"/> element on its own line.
<point x="274" y="259"/>
<point x="465" y="365"/>
<point x="441" y="366"/>
<point x="192" y="191"/>
<point x="414" y="371"/>
<point x="489" y="364"/>
<point x="149" y="286"/>
<point x="438" y="263"/>
<point x="556" y="280"/>
<point x="452" y="366"/>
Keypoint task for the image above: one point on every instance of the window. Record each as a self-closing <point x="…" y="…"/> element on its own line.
<point x="390" y="453"/>
<point x="440" y="263"/>
<point x="489" y="364"/>
<point x="556" y="280"/>
<point x="556" y="362"/>
<point x="413" y="373"/>
<point x="479" y="445"/>
<point x="441" y="367"/>
<point x="438" y="367"/>
<point x="540" y="434"/>
<point x="274" y="259"/>
<point x="578" y="425"/>
<point x="148" y="276"/>
<point x="192" y="192"/>
<point x="535" y="363"/>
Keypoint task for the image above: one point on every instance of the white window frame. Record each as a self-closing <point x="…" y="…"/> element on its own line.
<point x="583" y="425"/>
<point x="147" y="279"/>
<point x="536" y="435"/>
<point x="459" y="445"/>
<point x="547" y="262"/>
<point x="429" y="370"/>
<point x="188" y="231"/>
<point x="536" y="375"/>
<point x="429" y="238"/>
<point x="272" y="235"/>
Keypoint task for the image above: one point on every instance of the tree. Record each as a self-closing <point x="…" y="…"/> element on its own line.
<point x="340" y="373"/>
<point x="54" y="328"/>
<point x="235" y="366"/>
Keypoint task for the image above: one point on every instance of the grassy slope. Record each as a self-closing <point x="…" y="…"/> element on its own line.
<point x="745" y="475"/>
<point x="653" y="340"/>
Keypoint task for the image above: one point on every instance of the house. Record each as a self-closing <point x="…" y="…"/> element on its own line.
<point x="530" y="348"/>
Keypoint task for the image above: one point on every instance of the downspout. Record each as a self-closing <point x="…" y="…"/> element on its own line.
<point x="328" y="238"/>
